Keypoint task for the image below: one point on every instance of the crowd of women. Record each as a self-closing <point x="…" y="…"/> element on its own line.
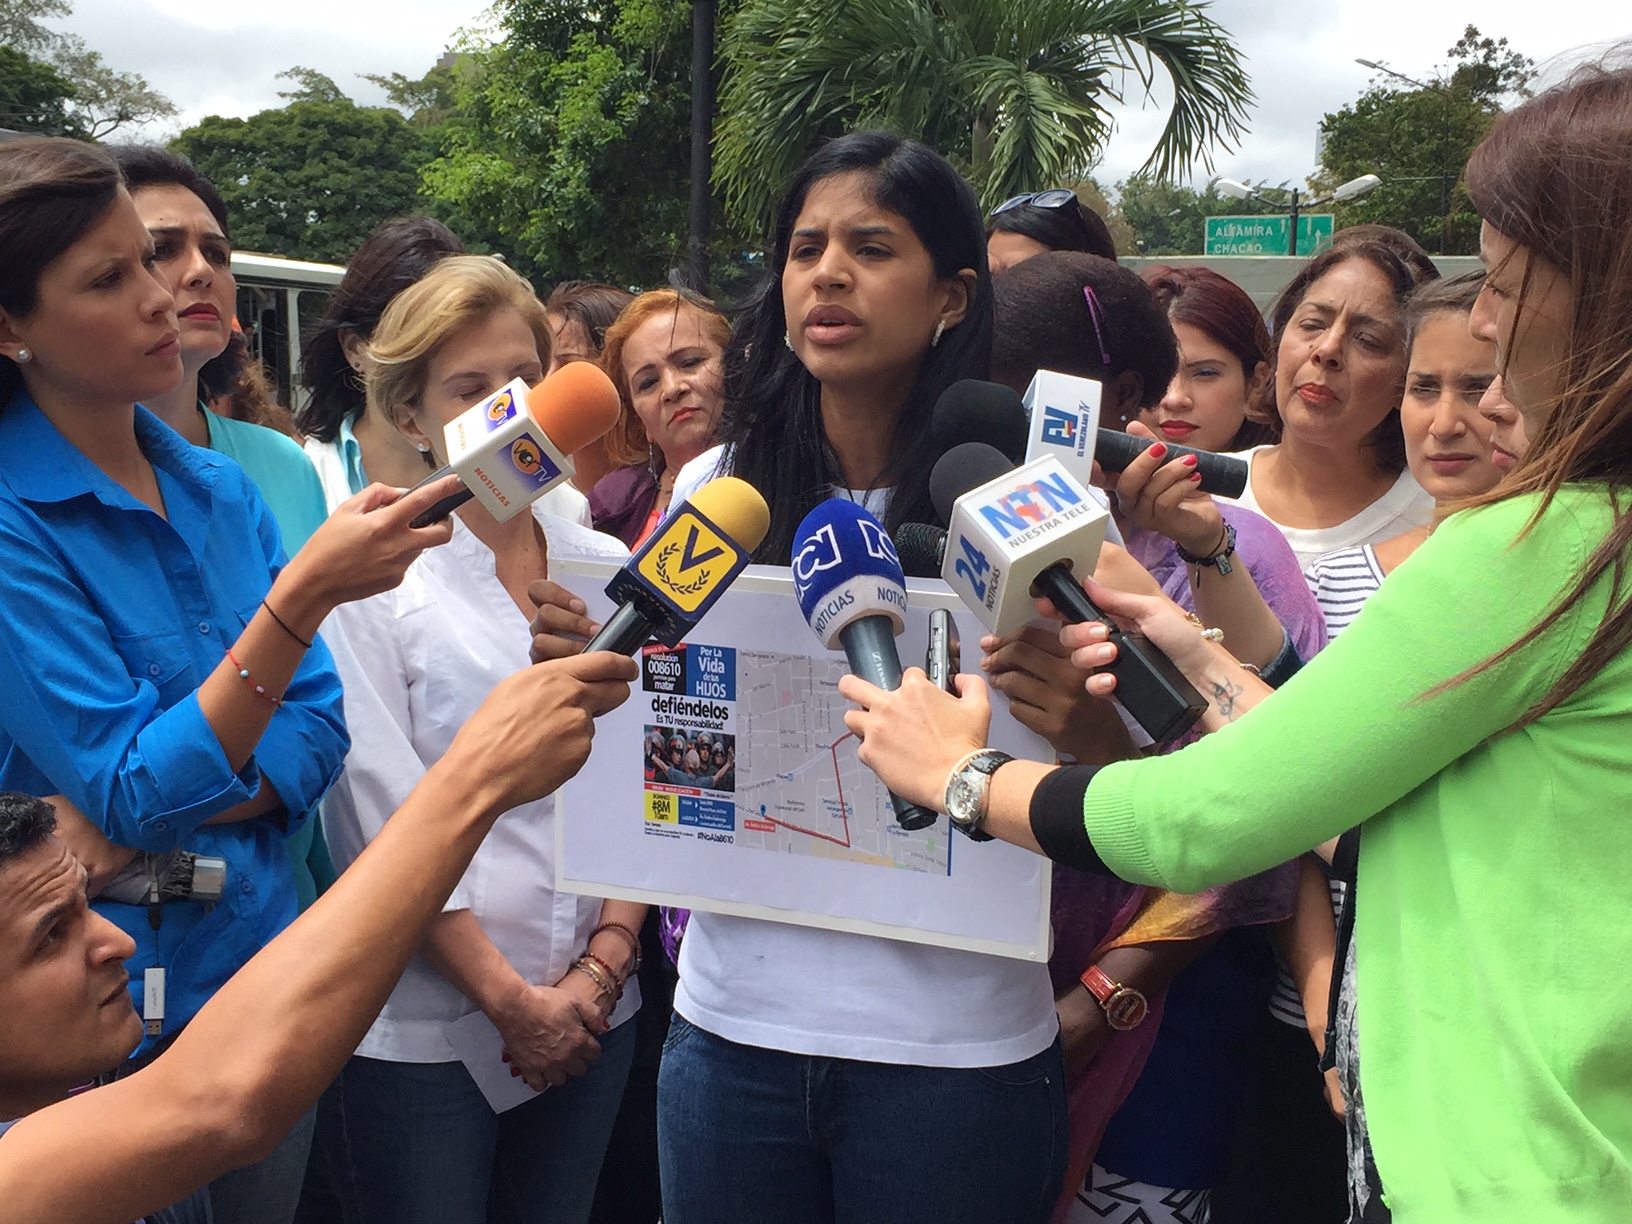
<point x="222" y="642"/>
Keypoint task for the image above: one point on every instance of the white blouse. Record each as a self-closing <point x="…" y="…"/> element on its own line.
<point x="415" y="663"/>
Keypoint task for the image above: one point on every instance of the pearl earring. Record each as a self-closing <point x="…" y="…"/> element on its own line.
<point x="787" y="340"/>
<point x="940" y="326"/>
<point x="424" y="447"/>
<point x="24" y="355"/>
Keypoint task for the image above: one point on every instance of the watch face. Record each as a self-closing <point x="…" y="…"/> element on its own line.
<point x="1125" y="1009"/>
<point x="961" y="801"/>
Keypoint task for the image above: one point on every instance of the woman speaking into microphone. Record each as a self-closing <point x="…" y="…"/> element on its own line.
<point x="1476" y="718"/>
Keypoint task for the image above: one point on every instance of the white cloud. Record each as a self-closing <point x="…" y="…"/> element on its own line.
<point x="219" y="59"/>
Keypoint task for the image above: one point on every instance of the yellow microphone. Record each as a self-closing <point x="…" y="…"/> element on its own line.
<point x="684" y="566"/>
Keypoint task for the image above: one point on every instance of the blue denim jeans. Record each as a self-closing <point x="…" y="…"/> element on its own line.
<point x="749" y="1135"/>
<point x="266" y="1192"/>
<point x="422" y="1146"/>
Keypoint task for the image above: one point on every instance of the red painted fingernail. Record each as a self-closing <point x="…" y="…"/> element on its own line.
<point x="1158" y="449"/>
<point x="514" y="1073"/>
<point x="1190" y="460"/>
<point x="1195" y="477"/>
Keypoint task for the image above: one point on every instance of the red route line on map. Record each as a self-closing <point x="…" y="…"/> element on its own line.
<point x="844" y="808"/>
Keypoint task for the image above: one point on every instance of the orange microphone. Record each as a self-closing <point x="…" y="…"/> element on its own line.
<point x="516" y="445"/>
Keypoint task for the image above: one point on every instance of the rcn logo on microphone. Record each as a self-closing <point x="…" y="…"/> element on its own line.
<point x="688" y="560"/>
<point x="1028" y="510"/>
<point x="1067" y="428"/>
<point x="822" y="552"/>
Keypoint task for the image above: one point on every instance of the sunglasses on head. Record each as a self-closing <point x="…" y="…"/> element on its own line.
<point x="1054" y="197"/>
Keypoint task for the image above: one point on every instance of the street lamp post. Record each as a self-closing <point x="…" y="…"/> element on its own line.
<point x="1351" y="190"/>
<point x="1444" y="138"/>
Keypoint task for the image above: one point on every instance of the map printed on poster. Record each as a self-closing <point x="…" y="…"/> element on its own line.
<point x="807" y="792"/>
<point x="729" y="783"/>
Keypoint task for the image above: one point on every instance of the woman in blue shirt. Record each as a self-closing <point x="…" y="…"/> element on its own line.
<point x="159" y="667"/>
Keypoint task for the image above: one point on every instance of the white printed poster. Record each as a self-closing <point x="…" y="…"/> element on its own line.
<point x="729" y="783"/>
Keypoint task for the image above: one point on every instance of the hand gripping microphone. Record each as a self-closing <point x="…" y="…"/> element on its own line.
<point x="516" y="445"/>
<point x="852" y="591"/>
<point x="1065" y="423"/>
<point x="684" y="566"/>
<point x="992" y="508"/>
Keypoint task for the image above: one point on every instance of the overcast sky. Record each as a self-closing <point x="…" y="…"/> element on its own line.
<point x="224" y="59"/>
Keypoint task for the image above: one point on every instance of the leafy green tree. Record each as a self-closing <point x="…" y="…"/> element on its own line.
<point x="1417" y="138"/>
<point x="1016" y="92"/>
<point x="312" y="178"/>
<point x="102" y="99"/>
<point x="34" y="97"/>
<point x="1169" y="219"/>
<point x="568" y="147"/>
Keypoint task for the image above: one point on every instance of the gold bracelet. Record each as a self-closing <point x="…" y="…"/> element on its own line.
<point x="597" y="976"/>
<point x="617" y="982"/>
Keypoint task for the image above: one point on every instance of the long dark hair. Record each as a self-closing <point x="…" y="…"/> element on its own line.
<point x="398" y="253"/>
<point x="772" y="425"/>
<point x="1553" y="177"/>
<point x="52" y="190"/>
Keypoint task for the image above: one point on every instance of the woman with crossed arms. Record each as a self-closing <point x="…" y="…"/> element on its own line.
<point x="1475" y="717"/>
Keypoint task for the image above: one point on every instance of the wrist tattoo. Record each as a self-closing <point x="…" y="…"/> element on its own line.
<point x="1225" y="693"/>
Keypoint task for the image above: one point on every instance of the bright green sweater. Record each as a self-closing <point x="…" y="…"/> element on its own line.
<point x="1494" y="938"/>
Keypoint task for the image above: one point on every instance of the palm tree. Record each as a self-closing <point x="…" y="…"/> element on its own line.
<point x="1013" y="91"/>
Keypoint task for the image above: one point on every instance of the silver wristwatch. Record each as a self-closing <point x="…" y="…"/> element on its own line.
<point x="967" y="789"/>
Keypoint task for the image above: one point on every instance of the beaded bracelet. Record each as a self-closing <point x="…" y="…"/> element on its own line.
<point x="243" y="674"/>
<point x="620" y="929"/>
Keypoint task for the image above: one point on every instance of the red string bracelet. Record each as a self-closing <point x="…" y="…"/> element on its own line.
<point x="243" y="674"/>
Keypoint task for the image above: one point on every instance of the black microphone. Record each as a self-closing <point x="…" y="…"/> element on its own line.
<point x="922" y="548"/>
<point x="1062" y="407"/>
<point x="1222" y="475"/>
<point x="974" y="411"/>
<point x="1148" y="685"/>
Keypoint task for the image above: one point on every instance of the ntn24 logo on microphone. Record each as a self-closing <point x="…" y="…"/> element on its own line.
<point x="1030" y="504"/>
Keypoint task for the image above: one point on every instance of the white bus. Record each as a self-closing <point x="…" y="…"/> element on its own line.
<point x="279" y="302"/>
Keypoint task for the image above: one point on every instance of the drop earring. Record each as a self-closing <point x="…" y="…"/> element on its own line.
<point x="940" y="326"/>
<point x="23" y="355"/>
<point x="787" y="340"/>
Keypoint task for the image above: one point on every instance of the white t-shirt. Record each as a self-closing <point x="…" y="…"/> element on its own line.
<point x="415" y="663"/>
<point x="838" y="995"/>
<point x="1406" y="505"/>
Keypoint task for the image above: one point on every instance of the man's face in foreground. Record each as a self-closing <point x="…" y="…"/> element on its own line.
<point x="65" y="1012"/>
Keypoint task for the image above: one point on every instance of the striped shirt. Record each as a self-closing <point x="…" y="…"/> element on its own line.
<point x="1342" y="582"/>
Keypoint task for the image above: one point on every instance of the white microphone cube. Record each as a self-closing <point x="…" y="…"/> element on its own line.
<point x="1007" y="531"/>
<point x="1063" y="413"/>
<point x="502" y="455"/>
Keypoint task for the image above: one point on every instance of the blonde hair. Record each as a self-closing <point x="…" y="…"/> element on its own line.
<point x="457" y="292"/>
<point x="627" y="444"/>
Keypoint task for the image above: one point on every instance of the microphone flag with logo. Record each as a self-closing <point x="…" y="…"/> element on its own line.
<point x="852" y="592"/>
<point x="684" y="566"/>
<point x="1065" y="424"/>
<point x="516" y="445"/>
<point x="1004" y="548"/>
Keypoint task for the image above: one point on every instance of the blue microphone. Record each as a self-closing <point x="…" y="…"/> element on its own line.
<point x="852" y="591"/>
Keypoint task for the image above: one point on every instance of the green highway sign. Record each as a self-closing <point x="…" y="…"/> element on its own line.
<point x="1268" y="235"/>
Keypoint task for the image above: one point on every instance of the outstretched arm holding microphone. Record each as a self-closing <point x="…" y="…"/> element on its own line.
<point x="257" y="1055"/>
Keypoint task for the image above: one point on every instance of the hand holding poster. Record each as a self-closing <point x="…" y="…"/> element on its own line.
<point x="729" y="783"/>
